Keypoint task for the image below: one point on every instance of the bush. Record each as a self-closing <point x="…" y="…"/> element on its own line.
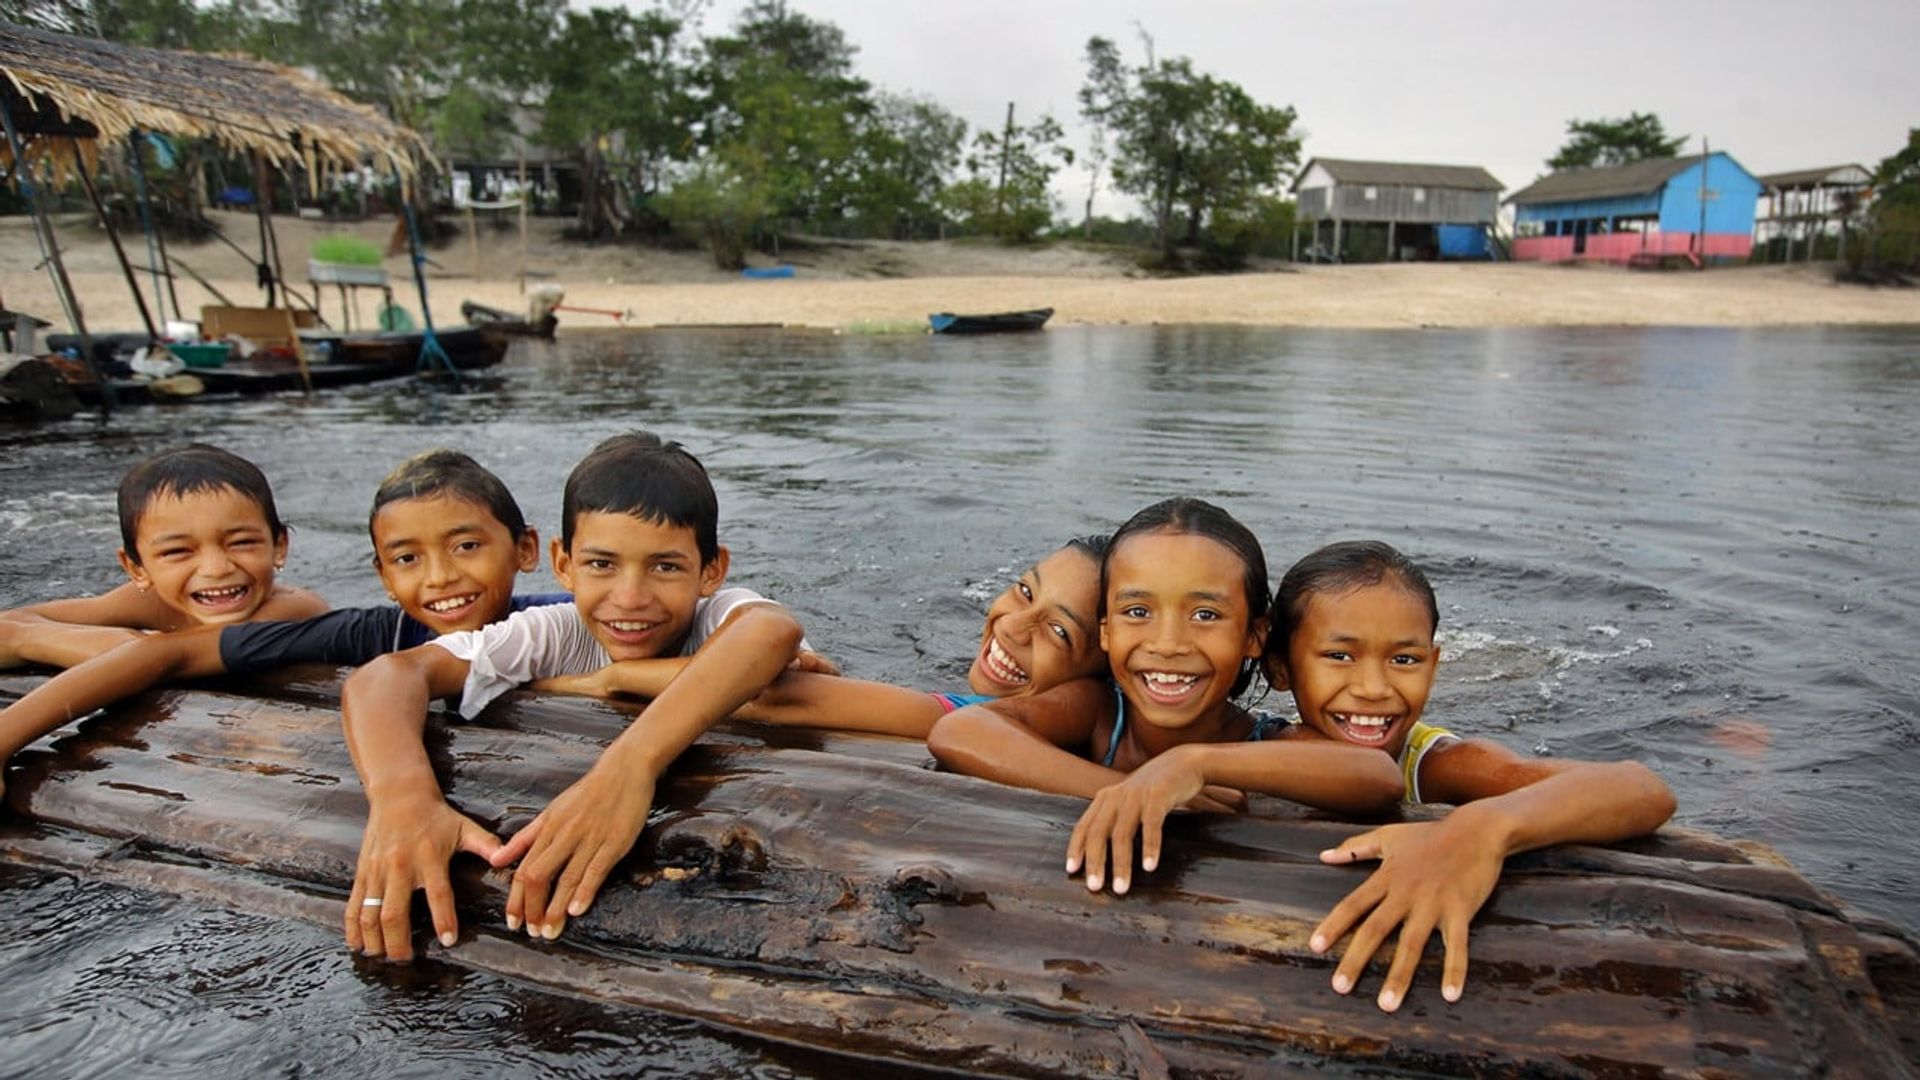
<point x="718" y="205"/>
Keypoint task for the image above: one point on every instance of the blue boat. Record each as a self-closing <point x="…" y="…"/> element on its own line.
<point x="781" y="271"/>
<point x="1004" y="322"/>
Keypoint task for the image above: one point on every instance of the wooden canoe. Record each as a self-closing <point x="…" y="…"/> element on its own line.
<point x="1003" y="322"/>
<point x="831" y="891"/>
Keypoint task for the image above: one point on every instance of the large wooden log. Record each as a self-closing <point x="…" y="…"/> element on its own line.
<point x="831" y="890"/>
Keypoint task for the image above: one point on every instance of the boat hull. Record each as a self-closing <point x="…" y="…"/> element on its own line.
<point x="1006" y="322"/>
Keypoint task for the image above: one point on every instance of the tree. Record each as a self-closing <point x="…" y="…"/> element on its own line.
<point x="1894" y="221"/>
<point x="1007" y="193"/>
<point x="621" y="97"/>
<point x="785" y="109"/>
<point x="1593" y="143"/>
<point x="905" y="151"/>
<point x="1194" y="148"/>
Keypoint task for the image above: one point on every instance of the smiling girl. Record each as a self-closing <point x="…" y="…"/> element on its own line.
<point x="1353" y="639"/>
<point x="1184" y="618"/>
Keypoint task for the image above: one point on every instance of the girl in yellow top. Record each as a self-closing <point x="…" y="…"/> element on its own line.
<point x="1353" y="627"/>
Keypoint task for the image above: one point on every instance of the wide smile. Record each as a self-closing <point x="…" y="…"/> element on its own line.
<point x="224" y="598"/>
<point x="452" y="606"/>
<point x="631" y="631"/>
<point x="1168" y="687"/>
<point x="1366" y="729"/>
<point x="1001" y="667"/>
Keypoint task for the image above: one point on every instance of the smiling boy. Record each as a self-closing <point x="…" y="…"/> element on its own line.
<point x="201" y="542"/>
<point x="638" y="550"/>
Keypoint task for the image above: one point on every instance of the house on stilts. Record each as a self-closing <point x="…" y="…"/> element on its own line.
<point x="1802" y="212"/>
<point x="1372" y="211"/>
<point x="1698" y="207"/>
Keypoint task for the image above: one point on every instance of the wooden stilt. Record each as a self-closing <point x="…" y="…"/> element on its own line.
<point x="113" y="238"/>
<point x="523" y="224"/>
<point x="50" y="249"/>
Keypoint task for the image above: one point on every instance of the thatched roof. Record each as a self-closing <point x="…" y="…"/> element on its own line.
<point x="59" y="85"/>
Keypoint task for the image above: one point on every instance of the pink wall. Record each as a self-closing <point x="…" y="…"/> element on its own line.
<point x="1619" y="247"/>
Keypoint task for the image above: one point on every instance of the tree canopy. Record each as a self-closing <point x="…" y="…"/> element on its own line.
<point x="1593" y="143"/>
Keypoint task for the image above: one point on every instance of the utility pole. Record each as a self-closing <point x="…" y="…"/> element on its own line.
<point x="1006" y="152"/>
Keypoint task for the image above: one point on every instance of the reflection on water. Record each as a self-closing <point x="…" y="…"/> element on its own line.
<point x="1699" y="548"/>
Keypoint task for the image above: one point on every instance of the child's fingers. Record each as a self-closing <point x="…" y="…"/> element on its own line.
<point x="564" y="887"/>
<point x="1453" y="977"/>
<point x="477" y="841"/>
<point x="1366" y="941"/>
<point x="1125" y="825"/>
<point x="1414" y="933"/>
<point x="1354" y="849"/>
<point x="440" y="905"/>
<point x="595" y="876"/>
<point x="1097" y="833"/>
<point x="396" y="926"/>
<point x="516" y="904"/>
<point x="1077" y="843"/>
<point x="519" y="843"/>
<point x="350" y="918"/>
<point x="1151" y="825"/>
<point x="1347" y="912"/>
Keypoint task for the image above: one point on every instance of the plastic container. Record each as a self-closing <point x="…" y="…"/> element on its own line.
<point x="211" y="354"/>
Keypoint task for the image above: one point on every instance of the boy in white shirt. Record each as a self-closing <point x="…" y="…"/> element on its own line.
<point x="639" y="553"/>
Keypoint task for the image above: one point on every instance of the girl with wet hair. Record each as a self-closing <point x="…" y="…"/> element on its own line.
<point x="1183" y="618"/>
<point x="1353" y="640"/>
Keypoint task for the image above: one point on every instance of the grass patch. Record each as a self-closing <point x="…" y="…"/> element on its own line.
<point x="884" y="327"/>
<point x="346" y="250"/>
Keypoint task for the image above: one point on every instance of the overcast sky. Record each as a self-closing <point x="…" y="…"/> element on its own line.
<point x="1473" y="82"/>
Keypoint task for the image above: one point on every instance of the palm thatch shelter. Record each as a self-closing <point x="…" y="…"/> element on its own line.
<point x="65" y="98"/>
<point x="60" y="86"/>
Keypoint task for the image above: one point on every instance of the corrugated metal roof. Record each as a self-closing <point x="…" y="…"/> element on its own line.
<point x="1602" y="183"/>
<point x="1387" y="173"/>
<point x="1843" y="175"/>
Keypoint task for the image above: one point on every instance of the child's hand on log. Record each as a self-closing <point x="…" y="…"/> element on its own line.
<point x="1432" y="875"/>
<point x="571" y="847"/>
<point x="1137" y="805"/>
<point x="407" y="846"/>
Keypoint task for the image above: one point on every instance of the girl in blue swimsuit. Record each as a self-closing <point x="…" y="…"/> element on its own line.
<point x="1184" y="620"/>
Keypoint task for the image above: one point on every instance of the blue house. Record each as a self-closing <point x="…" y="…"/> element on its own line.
<point x="1696" y="207"/>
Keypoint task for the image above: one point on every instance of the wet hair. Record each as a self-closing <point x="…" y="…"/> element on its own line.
<point x="643" y="476"/>
<point x="1197" y="517"/>
<point x="449" y="474"/>
<point x="1338" y="568"/>
<point x="1093" y="545"/>
<point x="188" y="470"/>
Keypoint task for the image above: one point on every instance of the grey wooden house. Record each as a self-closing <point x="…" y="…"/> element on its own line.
<point x="1363" y="211"/>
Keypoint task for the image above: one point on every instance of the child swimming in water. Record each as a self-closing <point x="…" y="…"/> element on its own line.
<point x="1184" y="617"/>
<point x="448" y="543"/>
<point x="1353" y="640"/>
<point x="1039" y="632"/>
<point x="201" y="542"/>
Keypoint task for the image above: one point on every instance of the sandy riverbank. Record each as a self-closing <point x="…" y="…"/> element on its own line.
<point x="877" y="283"/>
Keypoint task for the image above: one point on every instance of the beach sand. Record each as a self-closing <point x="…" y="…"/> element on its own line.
<point x="882" y="285"/>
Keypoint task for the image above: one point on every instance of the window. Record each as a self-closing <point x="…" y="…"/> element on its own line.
<point x="1419" y="194"/>
<point x="1372" y="193"/>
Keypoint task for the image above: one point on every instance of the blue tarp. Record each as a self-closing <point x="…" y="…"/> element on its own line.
<point x="1462" y="241"/>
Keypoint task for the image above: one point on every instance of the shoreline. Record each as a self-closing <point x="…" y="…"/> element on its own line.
<point x="883" y="286"/>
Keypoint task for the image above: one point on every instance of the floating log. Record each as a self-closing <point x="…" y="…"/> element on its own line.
<point x="832" y="891"/>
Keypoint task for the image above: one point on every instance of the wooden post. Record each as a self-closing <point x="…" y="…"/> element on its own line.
<point x="473" y="236"/>
<point x="50" y="248"/>
<point x="113" y="238"/>
<point x="156" y="244"/>
<point x="262" y="195"/>
<point x="523" y="224"/>
<point x="1336" y="241"/>
<point x="1393" y="253"/>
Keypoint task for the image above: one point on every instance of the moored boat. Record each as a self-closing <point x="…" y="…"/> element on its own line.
<point x="1004" y="322"/>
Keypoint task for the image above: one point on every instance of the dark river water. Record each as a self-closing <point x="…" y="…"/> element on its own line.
<point x="1696" y="548"/>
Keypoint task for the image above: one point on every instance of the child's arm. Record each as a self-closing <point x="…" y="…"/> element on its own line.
<point x="149" y="660"/>
<point x="1022" y="741"/>
<point x="1344" y="779"/>
<point x="798" y="698"/>
<point x="576" y="841"/>
<point x="412" y="834"/>
<point x="62" y="633"/>
<point x="1436" y="875"/>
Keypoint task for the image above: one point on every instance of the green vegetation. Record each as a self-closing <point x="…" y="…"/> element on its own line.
<point x="1893" y="222"/>
<point x="1593" y="143"/>
<point x="733" y="137"/>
